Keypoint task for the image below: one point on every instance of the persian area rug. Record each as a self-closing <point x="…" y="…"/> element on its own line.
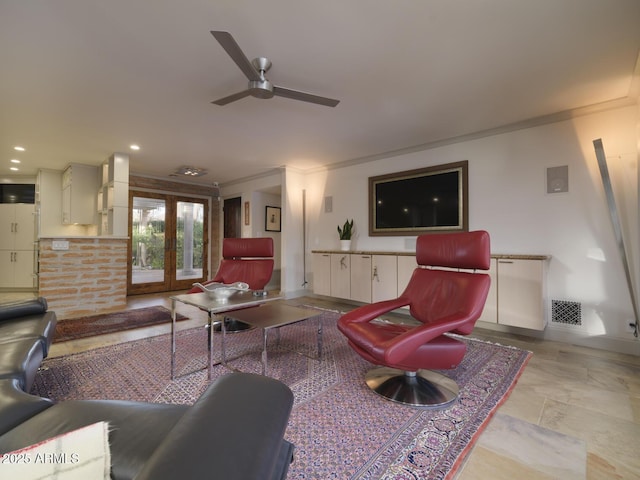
<point x="83" y="327"/>
<point x="340" y="428"/>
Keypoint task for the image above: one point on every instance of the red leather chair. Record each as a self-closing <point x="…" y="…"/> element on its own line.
<point x="442" y="301"/>
<point x="248" y="260"/>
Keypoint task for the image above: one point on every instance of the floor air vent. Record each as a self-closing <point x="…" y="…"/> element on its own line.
<point x="569" y="313"/>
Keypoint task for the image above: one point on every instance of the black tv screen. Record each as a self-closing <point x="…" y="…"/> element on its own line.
<point x="419" y="201"/>
<point x="17" y="193"/>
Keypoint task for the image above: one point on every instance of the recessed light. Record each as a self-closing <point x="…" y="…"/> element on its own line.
<point x="19" y="148"/>
<point x="191" y="171"/>
<point x="15" y="160"/>
<point x="134" y="147"/>
<point x="14" y="169"/>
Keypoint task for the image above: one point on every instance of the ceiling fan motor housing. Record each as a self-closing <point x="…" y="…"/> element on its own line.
<point x="261" y="88"/>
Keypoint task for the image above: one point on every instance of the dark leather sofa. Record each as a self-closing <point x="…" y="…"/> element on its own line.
<point x="234" y="431"/>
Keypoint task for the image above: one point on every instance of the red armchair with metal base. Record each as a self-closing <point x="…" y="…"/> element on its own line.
<point x="446" y="295"/>
<point x="248" y="260"/>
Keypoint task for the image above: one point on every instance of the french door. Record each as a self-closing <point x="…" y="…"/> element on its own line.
<point x="168" y="242"/>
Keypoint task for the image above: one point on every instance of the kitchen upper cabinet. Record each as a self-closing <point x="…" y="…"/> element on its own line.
<point x="79" y="184"/>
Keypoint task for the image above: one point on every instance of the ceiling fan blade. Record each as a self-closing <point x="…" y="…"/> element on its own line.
<point x="232" y="98"/>
<point x="237" y="55"/>
<point x="305" y="97"/>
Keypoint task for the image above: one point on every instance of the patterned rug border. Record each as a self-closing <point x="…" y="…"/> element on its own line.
<point x="332" y="401"/>
<point x="65" y="327"/>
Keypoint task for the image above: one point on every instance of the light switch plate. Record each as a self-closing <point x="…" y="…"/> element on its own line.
<point x="60" y="245"/>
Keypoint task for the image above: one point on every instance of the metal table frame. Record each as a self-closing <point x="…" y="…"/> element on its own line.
<point x="213" y="307"/>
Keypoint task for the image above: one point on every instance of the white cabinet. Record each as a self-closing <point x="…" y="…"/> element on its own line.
<point x="17" y="245"/>
<point x="521" y="293"/>
<point x="113" y="196"/>
<point x="490" y="311"/>
<point x="361" y="278"/>
<point x="384" y="277"/>
<point x="341" y="275"/>
<point x="406" y="265"/>
<point x="322" y="273"/>
<point x="78" y="186"/>
<point x="516" y="297"/>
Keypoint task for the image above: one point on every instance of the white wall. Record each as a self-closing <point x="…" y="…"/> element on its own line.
<point x="507" y="197"/>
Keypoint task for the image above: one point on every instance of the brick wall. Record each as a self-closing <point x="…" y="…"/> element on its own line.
<point x="88" y="278"/>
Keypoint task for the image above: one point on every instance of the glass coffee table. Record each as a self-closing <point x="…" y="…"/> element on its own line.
<point x="272" y="317"/>
<point x="214" y="307"/>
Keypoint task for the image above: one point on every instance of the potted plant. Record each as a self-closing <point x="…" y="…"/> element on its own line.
<point x="345" y="234"/>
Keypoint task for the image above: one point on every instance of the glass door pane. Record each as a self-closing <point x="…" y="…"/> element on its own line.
<point x="148" y="240"/>
<point x="189" y="240"/>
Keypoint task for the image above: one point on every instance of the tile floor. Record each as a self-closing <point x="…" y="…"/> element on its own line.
<point x="574" y="413"/>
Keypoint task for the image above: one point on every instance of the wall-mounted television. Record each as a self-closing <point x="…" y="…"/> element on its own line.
<point x="413" y="202"/>
<point x="17" y="193"/>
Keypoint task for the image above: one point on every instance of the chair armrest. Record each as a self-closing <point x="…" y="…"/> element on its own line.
<point x="22" y="308"/>
<point x="234" y="431"/>
<point x="368" y="312"/>
<point x="16" y="406"/>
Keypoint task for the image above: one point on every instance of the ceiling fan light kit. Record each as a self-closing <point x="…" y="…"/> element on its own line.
<point x="255" y="70"/>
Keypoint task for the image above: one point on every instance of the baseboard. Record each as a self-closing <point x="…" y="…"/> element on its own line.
<point x="600" y="342"/>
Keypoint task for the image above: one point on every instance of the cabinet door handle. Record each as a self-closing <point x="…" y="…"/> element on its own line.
<point x="16" y="229"/>
<point x="505" y="261"/>
<point x="343" y="262"/>
<point x="375" y="274"/>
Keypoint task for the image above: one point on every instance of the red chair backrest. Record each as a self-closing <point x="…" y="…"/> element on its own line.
<point x="248" y="260"/>
<point x="434" y="293"/>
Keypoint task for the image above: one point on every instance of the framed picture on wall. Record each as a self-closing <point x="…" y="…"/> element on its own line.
<point x="272" y="219"/>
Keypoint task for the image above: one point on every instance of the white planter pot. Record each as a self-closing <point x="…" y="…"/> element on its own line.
<point x="345" y="244"/>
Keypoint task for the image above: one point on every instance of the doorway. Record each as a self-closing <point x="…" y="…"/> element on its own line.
<point x="168" y="242"/>
<point x="232" y="217"/>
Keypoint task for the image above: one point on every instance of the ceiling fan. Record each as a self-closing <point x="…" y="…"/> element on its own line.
<point x="255" y="70"/>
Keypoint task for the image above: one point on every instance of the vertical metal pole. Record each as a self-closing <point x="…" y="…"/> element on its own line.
<point x="304" y="238"/>
<point x="615" y="220"/>
<point x="173" y="339"/>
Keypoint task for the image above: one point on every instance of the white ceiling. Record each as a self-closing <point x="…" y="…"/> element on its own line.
<point x="81" y="79"/>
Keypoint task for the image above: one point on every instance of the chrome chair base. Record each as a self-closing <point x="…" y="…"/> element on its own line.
<point x="423" y="388"/>
<point x="231" y="325"/>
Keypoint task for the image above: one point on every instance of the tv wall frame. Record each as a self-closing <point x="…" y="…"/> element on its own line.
<point x="427" y="200"/>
